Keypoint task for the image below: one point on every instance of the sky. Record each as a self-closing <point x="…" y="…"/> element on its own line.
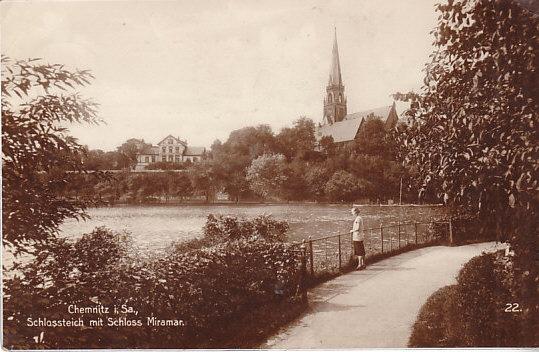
<point x="201" y="69"/>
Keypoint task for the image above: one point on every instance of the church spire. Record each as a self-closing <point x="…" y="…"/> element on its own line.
<point x="335" y="72"/>
<point x="335" y="101"/>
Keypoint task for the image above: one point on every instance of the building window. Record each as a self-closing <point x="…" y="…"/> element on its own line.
<point x="153" y="158"/>
<point x="164" y="158"/>
<point x="164" y="149"/>
<point x="177" y="149"/>
<point x="170" y="158"/>
<point x="170" y="149"/>
<point x="178" y="159"/>
<point x="188" y="159"/>
<point x="147" y="159"/>
<point x="195" y="158"/>
<point x="170" y="141"/>
<point x="330" y="98"/>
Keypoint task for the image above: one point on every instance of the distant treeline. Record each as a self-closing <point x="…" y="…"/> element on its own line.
<point x="257" y="164"/>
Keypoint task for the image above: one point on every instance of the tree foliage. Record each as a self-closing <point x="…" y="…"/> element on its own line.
<point x="39" y="157"/>
<point x="472" y="131"/>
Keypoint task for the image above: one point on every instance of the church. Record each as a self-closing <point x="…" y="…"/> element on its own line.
<point x="337" y="122"/>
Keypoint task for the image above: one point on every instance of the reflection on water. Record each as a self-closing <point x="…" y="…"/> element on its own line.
<point x="154" y="227"/>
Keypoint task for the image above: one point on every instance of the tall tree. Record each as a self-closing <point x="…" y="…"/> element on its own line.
<point x="473" y="130"/>
<point x="297" y="141"/>
<point x="35" y="144"/>
<point x="266" y="176"/>
<point x="127" y="152"/>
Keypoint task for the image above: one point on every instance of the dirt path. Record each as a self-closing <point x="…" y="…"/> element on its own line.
<point x="375" y="307"/>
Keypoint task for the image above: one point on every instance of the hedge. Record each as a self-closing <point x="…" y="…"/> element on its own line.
<point x="473" y="313"/>
<point x="212" y="289"/>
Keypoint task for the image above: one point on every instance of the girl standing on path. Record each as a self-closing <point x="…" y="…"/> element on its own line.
<point x="358" y="236"/>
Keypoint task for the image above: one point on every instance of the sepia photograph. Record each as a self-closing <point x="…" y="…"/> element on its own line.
<point x="269" y="174"/>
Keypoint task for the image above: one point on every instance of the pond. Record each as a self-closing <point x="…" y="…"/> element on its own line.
<point x="155" y="227"/>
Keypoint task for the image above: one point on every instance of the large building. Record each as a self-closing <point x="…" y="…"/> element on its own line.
<point x="336" y="122"/>
<point x="170" y="149"/>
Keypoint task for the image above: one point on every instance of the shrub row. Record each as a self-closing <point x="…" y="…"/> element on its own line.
<point x="211" y="289"/>
<point x="475" y="311"/>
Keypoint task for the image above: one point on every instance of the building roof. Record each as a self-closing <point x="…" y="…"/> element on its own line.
<point x="194" y="151"/>
<point x="176" y="138"/>
<point x="382" y="112"/>
<point x="149" y="150"/>
<point x="347" y="129"/>
<point x="342" y="131"/>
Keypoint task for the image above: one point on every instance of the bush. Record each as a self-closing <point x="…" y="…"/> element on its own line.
<point x="430" y="328"/>
<point x="211" y="289"/>
<point x="473" y="313"/>
<point x="228" y="228"/>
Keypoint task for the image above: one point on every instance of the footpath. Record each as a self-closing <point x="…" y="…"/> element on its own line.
<point x="376" y="307"/>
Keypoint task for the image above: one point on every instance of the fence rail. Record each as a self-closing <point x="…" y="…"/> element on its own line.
<point x="333" y="254"/>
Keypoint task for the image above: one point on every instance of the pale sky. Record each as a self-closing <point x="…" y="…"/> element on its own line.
<point x="201" y="69"/>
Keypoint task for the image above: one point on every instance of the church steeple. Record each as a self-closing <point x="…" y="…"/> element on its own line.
<point x="335" y="73"/>
<point x="335" y="101"/>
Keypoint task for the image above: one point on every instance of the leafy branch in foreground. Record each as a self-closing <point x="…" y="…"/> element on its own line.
<point x="39" y="157"/>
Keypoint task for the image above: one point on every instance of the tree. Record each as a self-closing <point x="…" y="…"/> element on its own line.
<point x="371" y="138"/>
<point x="127" y="152"/>
<point x="327" y="146"/>
<point x="99" y="160"/>
<point x="473" y="130"/>
<point x="266" y="176"/>
<point x="297" y="141"/>
<point x="202" y="178"/>
<point x="344" y="187"/>
<point x="316" y="178"/>
<point x="36" y="145"/>
<point x="180" y="184"/>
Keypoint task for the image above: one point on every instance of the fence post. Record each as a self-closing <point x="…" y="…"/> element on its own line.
<point x="340" y="263"/>
<point x="399" y="235"/>
<point x="382" y="236"/>
<point x="311" y="256"/>
<point x="415" y="231"/>
<point x="450" y="232"/>
<point x="390" y="241"/>
<point x="303" y="274"/>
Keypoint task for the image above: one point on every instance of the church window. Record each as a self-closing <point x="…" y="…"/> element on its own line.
<point x="340" y="98"/>
<point x="330" y="98"/>
<point x="147" y="159"/>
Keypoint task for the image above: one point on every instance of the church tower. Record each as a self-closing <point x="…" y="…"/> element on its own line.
<point x="335" y="101"/>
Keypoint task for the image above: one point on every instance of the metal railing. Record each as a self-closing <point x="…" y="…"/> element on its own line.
<point x="333" y="254"/>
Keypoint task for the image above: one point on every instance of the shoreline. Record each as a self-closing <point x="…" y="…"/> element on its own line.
<point x="199" y="204"/>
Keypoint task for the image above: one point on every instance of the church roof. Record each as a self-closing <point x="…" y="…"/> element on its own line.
<point x="341" y="131"/>
<point x="378" y="112"/>
<point x="347" y="129"/>
<point x="335" y="71"/>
